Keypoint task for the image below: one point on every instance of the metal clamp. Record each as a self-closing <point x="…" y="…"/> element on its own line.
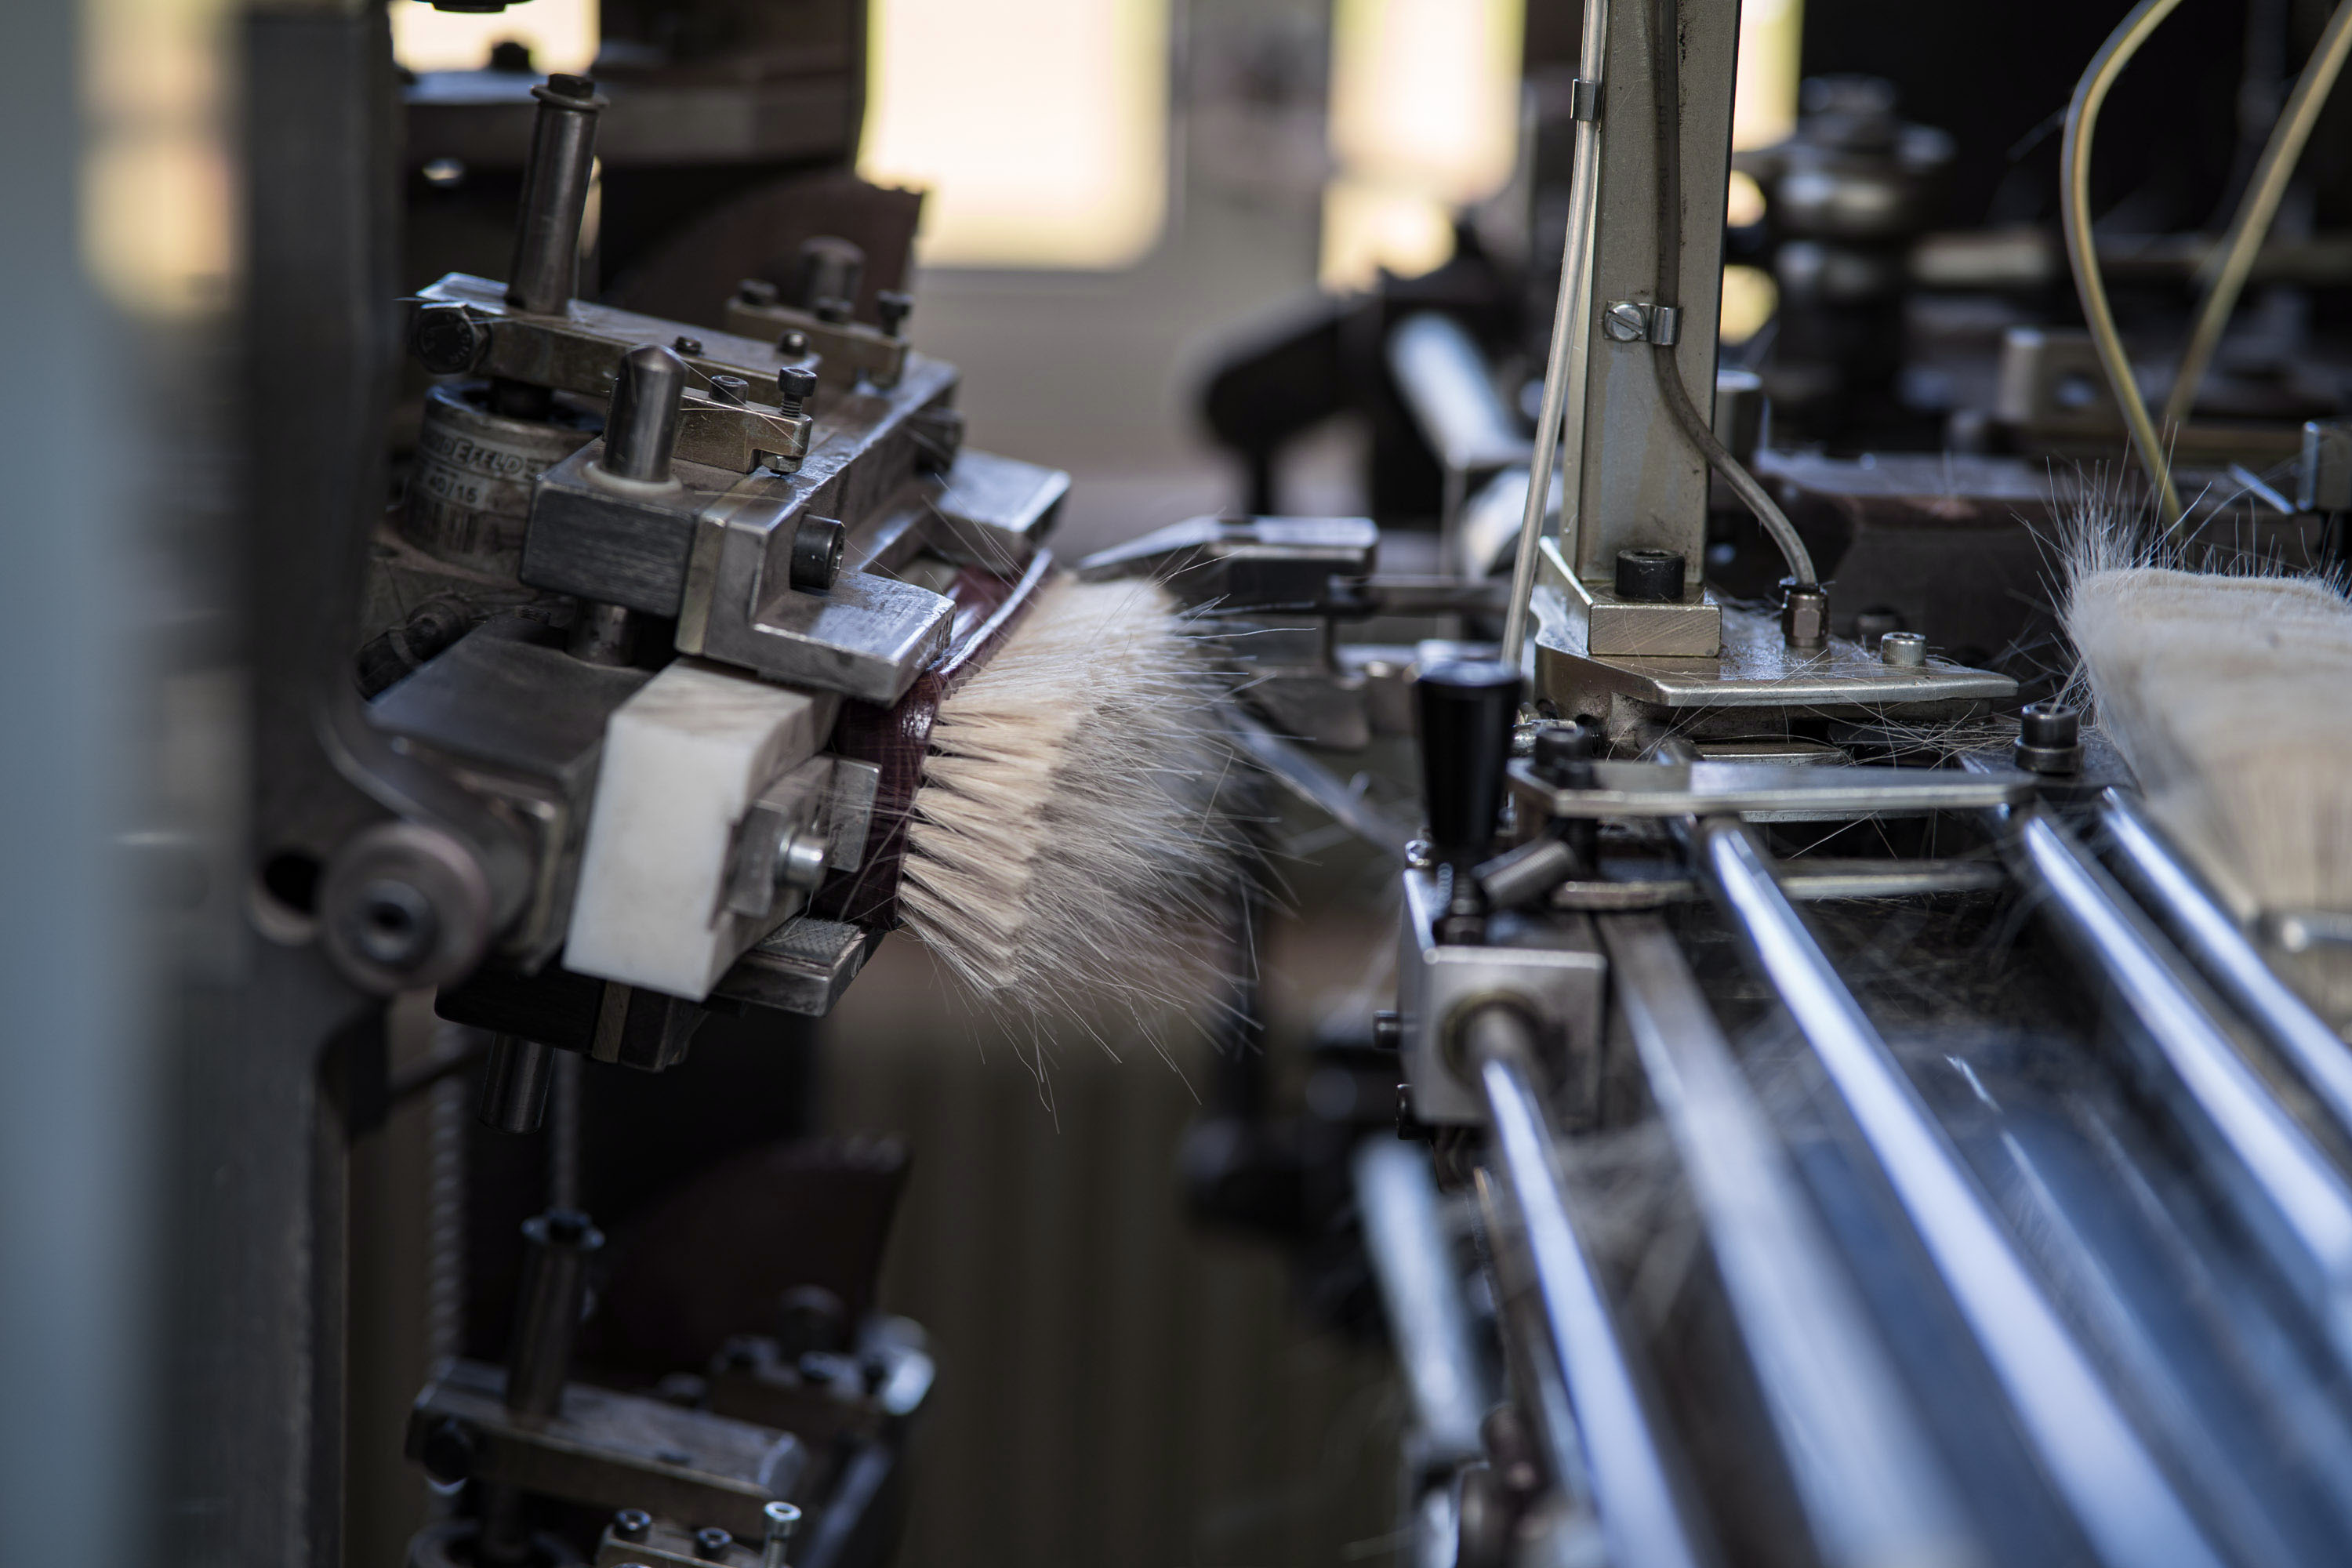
<point x="1584" y="100"/>
<point x="1635" y="321"/>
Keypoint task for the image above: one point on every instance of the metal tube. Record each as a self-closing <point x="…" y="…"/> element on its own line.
<point x="1631" y="1489"/>
<point x="2097" y="1462"/>
<point x="1413" y="1262"/>
<point x="1572" y="346"/>
<point x="2156" y="872"/>
<point x="554" y="195"/>
<point x="514" y="1084"/>
<point x="2272" y="1175"/>
<point x="557" y="1247"/>
<point x="641" y="424"/>
<point x="1871" y="1485"/>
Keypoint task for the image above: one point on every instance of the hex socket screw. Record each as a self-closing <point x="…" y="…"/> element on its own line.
<point x="891" y="306"/>
<point x="782" y="1519"/>
<point x="817" y="546"/>
<point x="631" y="1523"/>
<point x="711" y="1543"/>
<point x="1908" y="649"/>
<point x="795" y="384"/>
<point x="2049" y="739"/>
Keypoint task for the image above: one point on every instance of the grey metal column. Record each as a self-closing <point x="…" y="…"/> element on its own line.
<point x="1872" y="1488"/>
<point x="1636" y="482"/>
<point x="1633" y="1489"/>
<point x="554" y="196"/>
<point x="2268" y="1170"/>
<point x="2097" y="1462"/>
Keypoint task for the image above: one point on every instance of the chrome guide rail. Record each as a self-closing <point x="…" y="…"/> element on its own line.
<point x="2275" y="1178"/>
<point x="1873" y="1488"/>
<point x="1413" y="1263"/>
<point x="1632" y="1490"/>
<point x="2152" y="869"/>
<point x="2098" y="1463"/>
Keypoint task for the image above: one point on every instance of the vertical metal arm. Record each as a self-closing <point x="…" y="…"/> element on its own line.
<point x="2105" y="1474"/>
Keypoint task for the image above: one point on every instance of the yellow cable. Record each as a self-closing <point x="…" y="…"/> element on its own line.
<point x="2258" y="207"/>
<point x="2082" y="121"/>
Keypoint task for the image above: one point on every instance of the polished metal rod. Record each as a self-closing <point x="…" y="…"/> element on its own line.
<point x="554" y="196"/>
<point x="514" y="1084"/>
<point x="1870" y="1482"/>
<point x="1571" y="347"/>
<point x="2097" y="1462"/>
<point x="1413" y="1264"/>
<point x="641" y="424"/>
<point x="2155" y="871"/>
<point x="1630" y="1486"/>
<point x="2272" y="1175"/>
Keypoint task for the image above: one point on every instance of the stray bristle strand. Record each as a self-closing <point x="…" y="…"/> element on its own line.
<point x="1067" y="849"/>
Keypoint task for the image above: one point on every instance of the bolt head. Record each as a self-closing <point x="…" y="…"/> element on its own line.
<point x="732" y="390"/>
<point x="392" y="923"/>
<point x="893" y="306"/>
<point x="794" y="342"/>
<point x="1804" y="615"/>
<point x="447" y="340"/>
<point x="832" y="312"/>
<point x="711" y="1543"/>
<point x="796" y="384"/>
<point x="1625" y="323"/>
<point x="1906" y="648"/>
<point x="447" y="1454"/>
<point x="631" y="1523"/>
<point x="758" y="291"/>
<point x="687" y="345"/>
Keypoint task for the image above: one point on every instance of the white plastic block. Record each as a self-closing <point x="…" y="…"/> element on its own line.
<point x="683" y="760"/>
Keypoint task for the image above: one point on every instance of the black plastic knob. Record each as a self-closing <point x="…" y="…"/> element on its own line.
<point x="1467" y="711"/>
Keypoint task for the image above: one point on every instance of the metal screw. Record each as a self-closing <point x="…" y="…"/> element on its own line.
<point x="731" y="390"/>
<point x="393" y="925"/>
<point x="711" y="1543"/>
<point x="832" y="312"/>
<point x="892" y="307"/>
<point x="795" y="384"/>
<point x="1564" y="753"/>
<point x="757" y="291"/>
<point x="816" y="553"/>
<point x="631" y="1523"/>
<point x="1626" y="321"/>
<point x="446" y="338"/>
<point x="795" y="342"/>
<point x="1905" y="648"/>
<point x="782" y="1518"/>
<point x="1649" y="576"/>
<point x="687" y="345"/>
<point x="1804" y="614"/>
<point x="2049" y="739"/>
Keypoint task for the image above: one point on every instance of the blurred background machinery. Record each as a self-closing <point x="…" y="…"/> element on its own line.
<point x="286" y="1292"/>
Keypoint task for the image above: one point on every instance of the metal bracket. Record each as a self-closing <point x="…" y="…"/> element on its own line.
<point x="807" y="822"/>
<point x="1584" y="100"/>
<point x="1636" y="321"/>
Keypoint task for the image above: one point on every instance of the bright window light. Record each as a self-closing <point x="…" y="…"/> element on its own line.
<point x="562" y="35"/>
<point x="1764" y="104"/>
<point x="1424" y="119"/>
<point x="1038" y="129"/>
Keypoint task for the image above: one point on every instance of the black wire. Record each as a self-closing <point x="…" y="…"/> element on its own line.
<point x="1665" y="79"/>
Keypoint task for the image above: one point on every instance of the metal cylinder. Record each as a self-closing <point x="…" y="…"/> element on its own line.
<point x="514" y="1084"/>
<point x="781" y="1518"/>
<point x="554" y="196"/>
<point x="641" y="427"/>
<point x="469" y="485"/>
<point x="558" y="1246"/>
<point x="830" y="269"/>
<point x="601" y="634"/>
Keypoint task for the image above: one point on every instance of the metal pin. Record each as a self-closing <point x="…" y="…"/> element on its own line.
<point x="641" y="427"/>
<point x="782" y="1519"/>
<point x="554" y="196"/>
<point x="514" y="1084"/>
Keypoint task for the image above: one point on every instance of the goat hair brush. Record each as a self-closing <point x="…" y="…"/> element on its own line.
<point x="1068" y="848"/>
<point x="2230" y="696"/>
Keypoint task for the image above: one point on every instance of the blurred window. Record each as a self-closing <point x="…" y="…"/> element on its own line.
<point x="560" y="34"/>
<point x="1037" y="129"/>
<point x="1424" y="119"/>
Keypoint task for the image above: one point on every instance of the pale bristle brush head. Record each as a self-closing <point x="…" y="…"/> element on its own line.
<point x="1072" y="851"/>
<point x="2229" y="694"/>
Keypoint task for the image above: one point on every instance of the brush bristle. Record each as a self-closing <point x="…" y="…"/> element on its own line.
<point x="2230" y="696"/>
<point x="1068" y="848"/>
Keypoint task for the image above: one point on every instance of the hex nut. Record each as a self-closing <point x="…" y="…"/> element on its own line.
<point x="1804" y="614"/>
